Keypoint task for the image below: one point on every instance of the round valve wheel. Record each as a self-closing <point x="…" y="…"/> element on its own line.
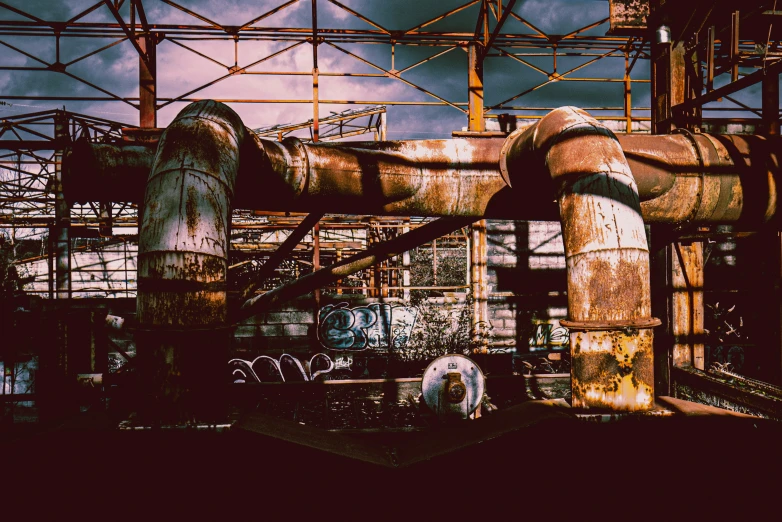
<point x="453" y="386"/>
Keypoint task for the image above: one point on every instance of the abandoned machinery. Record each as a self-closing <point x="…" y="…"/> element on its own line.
<point x="602" y="187"/>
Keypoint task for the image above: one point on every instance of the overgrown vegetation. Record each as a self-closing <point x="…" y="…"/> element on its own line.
<point x="441" y="328"/>
<point x="451" y="270"/>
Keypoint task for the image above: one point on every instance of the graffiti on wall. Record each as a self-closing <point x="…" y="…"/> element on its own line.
<point x="550" y="335"/>
<point x="377" y="326"/>
<point x="285" y="369"/>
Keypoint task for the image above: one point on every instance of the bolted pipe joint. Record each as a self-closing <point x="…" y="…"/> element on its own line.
<point x="609" y="303"/>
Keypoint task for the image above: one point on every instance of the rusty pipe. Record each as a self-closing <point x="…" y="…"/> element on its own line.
<point x="181" y="304"/>
<point x="183" y="236"/>
<point x="455" y="177"/>
<point x="607" y="256"/>
<point x="681" y="178"/>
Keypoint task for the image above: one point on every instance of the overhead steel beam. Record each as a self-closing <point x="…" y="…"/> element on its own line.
<point x="361" y="261"/>
<point x="129" y="32"/>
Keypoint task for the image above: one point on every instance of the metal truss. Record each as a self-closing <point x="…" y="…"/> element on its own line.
<point x="341" y="125"/>
<point x="491" y="30"/>
<point x="493" y="35"/>
<point x="29" y="161"/>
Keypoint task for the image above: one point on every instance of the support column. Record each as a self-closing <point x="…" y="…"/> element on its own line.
<point x="682" y="343"/>
<point x="771" y="104"/>
<point x="687" y="305"/>
<point x="54" y="385"/>
<point x="147" y="83"/>
<point x="475" y="86"/>
<point x="628" y="102"/>
<point x="478" y="251"/>
<point x="62" y="217"/>
<point x="315" y="109"/>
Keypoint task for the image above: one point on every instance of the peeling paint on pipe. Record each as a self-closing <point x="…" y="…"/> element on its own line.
<point x="455" y="177"/>
<point x="609" y="303"/>
<point x="681" y="178"/>
<point x="182" y="263"/>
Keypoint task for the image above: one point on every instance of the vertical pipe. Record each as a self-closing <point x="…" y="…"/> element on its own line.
<point x="480" y="310"/>
<point x="406" y="265"/>
<point x="383" y="126"/>
<point x="316" y="263"/>
<point x="607" y="256"/>
<point x="147" y="86"/>
<point x="434" y="262"/>
<point x="50" y="260"/>
<point x="182" y="265"/>
<point x="338" y="258"/>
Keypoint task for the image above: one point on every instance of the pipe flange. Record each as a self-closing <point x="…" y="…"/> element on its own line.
<point x="701" y="174"/>
<point x="635" y="324"/>
<point x="292" y="142"/>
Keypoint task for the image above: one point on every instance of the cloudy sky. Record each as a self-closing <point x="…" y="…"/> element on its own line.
<point x="179" y="70"/>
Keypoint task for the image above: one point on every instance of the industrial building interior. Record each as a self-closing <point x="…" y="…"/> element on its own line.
<point x="466" y="240"/>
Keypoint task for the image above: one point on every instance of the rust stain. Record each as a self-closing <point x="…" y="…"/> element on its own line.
<point x="613" y="369"/>
<point x="192" y="215"/>
<point x="616" y="287"/>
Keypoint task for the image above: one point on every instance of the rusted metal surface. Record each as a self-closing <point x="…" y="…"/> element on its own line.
<point x="478" y="289"/>
<point x="475" y="88"/>
<point x="606" y="254"/>
<point x="701" y="178"/>
<point x="455" y="177"/>
<point x="183" y="235"/>
<point x="687" y="315"/>
<point x="628" y="17"/>
<point x="147" y="81"/>
<point x="182" y="264"/>
<point x="681" y="178"/>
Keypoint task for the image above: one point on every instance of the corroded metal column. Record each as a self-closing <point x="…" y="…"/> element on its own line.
<point x="609" y="304"/>
<point x="478" y="248"/>
<point x="147" y="87"/>
<point x="687" y="305"/>
<point x="183" y="249"/>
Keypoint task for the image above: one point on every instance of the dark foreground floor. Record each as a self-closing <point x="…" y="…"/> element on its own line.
<point x="530" y="460"/>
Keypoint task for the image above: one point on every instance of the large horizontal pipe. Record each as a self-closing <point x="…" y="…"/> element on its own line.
<point x="681" y="178"/>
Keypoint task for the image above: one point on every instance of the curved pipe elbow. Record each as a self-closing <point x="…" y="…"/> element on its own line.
<point x="607" y="257"/>
<point x="183" y="236"/>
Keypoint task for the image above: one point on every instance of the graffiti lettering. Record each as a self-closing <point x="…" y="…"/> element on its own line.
<point x="378" y="326"/>
<point x="287" y="369"/>
<point x="549" y="334"/>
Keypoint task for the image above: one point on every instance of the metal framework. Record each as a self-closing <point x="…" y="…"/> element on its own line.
<point x="497" y="38"/>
